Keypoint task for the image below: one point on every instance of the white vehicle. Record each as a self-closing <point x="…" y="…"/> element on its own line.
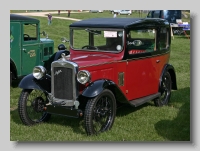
<point x="96" y="11"/>
<point x="125" y="12"/>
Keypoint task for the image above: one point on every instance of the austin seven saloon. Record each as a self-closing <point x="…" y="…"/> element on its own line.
<point x="110" y="62"/>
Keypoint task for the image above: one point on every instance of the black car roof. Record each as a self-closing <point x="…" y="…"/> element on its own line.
<point x="118" y="22"/>
<point x="16" y="17"/>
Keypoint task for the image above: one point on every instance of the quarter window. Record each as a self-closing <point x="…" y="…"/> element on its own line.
<point x="163" y="39"/>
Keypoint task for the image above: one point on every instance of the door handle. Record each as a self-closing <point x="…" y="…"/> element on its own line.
<point x="157" y="61"/>
<point x="24" y="50"/>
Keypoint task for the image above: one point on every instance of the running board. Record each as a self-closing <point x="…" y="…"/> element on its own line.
<point x="143" y="100"/>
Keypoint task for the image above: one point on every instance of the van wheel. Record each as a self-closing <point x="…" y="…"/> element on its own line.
<point x="10" y="78"/>
<point x="100" y="113"/>
<point x="165" y="90"/>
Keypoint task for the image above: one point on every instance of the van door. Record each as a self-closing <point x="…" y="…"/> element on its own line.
<point x="30" y="47"/>
<point x="15" y="45"/>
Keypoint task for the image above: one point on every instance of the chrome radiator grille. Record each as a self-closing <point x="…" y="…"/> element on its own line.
<point x="63" y="87"/>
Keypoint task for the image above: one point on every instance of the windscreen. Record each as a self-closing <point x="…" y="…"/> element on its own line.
<point x="89" y="39"/>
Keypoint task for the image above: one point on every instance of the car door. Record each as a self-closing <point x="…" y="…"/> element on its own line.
<point x="30" y="47"/>
<point x="141" y="72"/>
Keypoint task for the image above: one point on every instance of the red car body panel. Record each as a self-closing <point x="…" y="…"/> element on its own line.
<point x="142" y="78"/>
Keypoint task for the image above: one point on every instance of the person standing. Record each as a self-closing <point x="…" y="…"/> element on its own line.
<point x="49" y="16"/>
<point x="115" y="15"/>
<point x="58" y="12"/>
<point x="69" y="13"/>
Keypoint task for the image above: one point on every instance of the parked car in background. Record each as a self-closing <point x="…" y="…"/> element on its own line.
<point x="125" y="12"/>
<point x="170" y="15"/>
<point x="115" y="11"/>
<point x="96" y="11"/>
<point x="113" y="61"/>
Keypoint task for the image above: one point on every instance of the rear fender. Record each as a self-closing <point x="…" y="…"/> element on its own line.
<point x="13" y="69"/>
<point x="171" y="70"/>
<point x="29" y="82"/>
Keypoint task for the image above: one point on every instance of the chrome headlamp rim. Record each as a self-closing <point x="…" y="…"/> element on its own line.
<point x="81" y="79"/>
<point x="39" y="72"/>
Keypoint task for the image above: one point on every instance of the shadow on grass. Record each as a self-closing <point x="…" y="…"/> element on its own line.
<point x="15" y="83"/>
<point x="177" y="129"/>
<point x="76" y="124"/>
<point x="128" y="109"/>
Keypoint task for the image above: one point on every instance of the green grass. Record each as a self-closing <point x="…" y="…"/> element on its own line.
<point x="144" y="123"/>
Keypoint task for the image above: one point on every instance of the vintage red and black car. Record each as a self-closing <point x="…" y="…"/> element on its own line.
<point x="112" y="61"/>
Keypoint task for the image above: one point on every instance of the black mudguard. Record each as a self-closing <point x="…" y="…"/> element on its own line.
<point x="29" y="82"/>
<point x="96" y="87"/>
<point x="171" y="70"/>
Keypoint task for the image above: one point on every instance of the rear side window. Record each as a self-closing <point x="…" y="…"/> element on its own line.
<point x="141" y="41"/>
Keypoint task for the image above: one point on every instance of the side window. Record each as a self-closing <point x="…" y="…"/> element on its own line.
<point x="163" y="43"/>
<point x="157" y="14"/>
<point x="30" y="32"/>
<point x="141" y="41"/>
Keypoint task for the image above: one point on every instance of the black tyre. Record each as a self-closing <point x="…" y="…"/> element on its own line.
<point x="100" y="113"/>
<point x="165" y="90"/>
<point x="31" y="107"/>
<point x="10" y="78"/>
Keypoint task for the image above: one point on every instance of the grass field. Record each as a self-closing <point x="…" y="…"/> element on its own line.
<point x="144" y="123"/>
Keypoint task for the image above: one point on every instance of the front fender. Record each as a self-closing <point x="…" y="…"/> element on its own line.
<point x="96" y="87"/>
<point x="29" y="82"/>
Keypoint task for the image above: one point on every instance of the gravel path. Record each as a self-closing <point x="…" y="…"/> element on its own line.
<point x="44" y="14"/>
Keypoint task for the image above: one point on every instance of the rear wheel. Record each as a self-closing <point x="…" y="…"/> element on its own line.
<point x="31" y="107"/>
<point x="165" y="90"/>
<point x="100" y="113"/>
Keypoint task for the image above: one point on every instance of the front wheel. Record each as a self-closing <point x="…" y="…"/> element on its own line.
<point x="165" y="90"/>
<point x="31" y="107"/>
<point x="100" y="113"/>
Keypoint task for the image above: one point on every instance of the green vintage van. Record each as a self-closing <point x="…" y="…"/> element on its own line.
<point x="27" y="48"/>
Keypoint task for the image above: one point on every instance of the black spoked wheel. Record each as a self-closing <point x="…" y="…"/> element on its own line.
<point x="31" y="107"/>
<point x="100" y="113"/>
<point x="165" y="90"/>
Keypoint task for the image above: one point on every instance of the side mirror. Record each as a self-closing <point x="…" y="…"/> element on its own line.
<point x="43" y="33"/>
